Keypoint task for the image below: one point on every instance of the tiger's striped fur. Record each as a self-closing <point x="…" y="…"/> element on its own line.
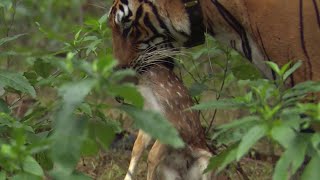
<point x="262" y="30"/>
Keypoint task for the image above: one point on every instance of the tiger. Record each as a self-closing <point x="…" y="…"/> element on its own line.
<point x="260" y="30"/>
<point x="264" y="30"/>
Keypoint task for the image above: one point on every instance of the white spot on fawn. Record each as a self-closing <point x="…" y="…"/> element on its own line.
<point x="184" y="107"/>
<point x="169" y="104"/>
<point x="179" y="94"/>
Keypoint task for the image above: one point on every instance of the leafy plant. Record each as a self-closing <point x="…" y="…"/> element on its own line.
<point x="275" y="113"/>
<point x="57" y="82"/>
<point x="55" y="98"/>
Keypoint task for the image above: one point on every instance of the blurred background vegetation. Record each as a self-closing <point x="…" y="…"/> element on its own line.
<point x="58" y="117"/>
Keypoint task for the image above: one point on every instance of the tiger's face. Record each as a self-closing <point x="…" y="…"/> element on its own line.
<point x="141" y="26"/>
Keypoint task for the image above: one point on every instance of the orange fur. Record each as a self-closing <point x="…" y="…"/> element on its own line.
<point x="275" y="29"/>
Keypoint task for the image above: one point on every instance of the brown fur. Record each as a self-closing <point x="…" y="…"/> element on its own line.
<point x="282" y="31"/>
<point x="165" y="93"/>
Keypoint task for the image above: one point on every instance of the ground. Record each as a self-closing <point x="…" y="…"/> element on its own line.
<point x="113" y="164"/>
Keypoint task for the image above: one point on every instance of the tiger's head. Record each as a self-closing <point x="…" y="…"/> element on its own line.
<point x="147" y="27"/>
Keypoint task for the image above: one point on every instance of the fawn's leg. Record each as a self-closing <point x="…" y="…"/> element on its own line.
<point x="141" y="143"/>
<point x="156" y="155"/>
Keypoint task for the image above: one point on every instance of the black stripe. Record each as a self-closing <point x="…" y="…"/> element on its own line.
<point x="155" y="12"/>
<point x="210" y="29"/>
<point x="292" y="78"/>
<point x="138" y="14"/>
<point x="121" y="8"/>
<point x="232" y="21"/>
<point x="137" y="33"/>
<point x="262" y="44"/>
<point x="233" y="44"/>
<point x="161" y="23"/>
<point x="317" y="11"/>
<point x="126" y="32"/>
<point x="146" y="41"/>
<point x="302" y="40"/>
<point x="127" y="18"/>
<point x="124" y="2"/>
<point x="274" y="76"/>
<point x="149" y="24"/>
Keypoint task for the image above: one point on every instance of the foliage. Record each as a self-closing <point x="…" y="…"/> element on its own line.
<point x="57" y="83"/>
<point x="274" y="113"/>
<point x="70" y="81"/>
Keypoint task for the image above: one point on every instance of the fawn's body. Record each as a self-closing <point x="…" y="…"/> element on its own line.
<point x="164" y="92"/>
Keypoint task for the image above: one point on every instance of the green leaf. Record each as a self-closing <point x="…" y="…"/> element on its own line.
<point x="245" y="72"/>
<point x="69" y="133"/>
<point x="315" y="140"/>
<point x="30" y="165"/>
<point x="104" y="65"/>
<point x="128" y="92"/>
<point x="292" y="70"/>
<point x="77" y="35"/>
<point x="42" y="68"/>
<point x="74" y="93"/>
<point x="67" y="139"/>
<point x="3" y="175"/>
<point x="32" y="77"/>
<point x="119" y="75"/>
<point x="8" y="39"/>
<point x="155" y="125"/>
<point x="16" y="81"/>
<point x="239" y="122"/>
<point x="312" y="172"/>
<point x="44" y="160"/>
<point x="4" y="107"/>
<point x="285" y="67"/>
<point x="274" y="67"/>
<point x="220" y="161"/>
<point x="25" y="176"/>
<point x="103" y="19"/>
<point x="6" y="4"/>
<point x="249" y="139"/>
<point x="74" y="176"/>
<point x="86" y="108"/>
<point x="284" y="135"/>
<point x="197" y="88"/>
<point x="291" y="160"/>
<point x="89" y="147"/>
<point x="102" y="133"/>
<point x="219" y="104"/>
<point x="302" y="89"/>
